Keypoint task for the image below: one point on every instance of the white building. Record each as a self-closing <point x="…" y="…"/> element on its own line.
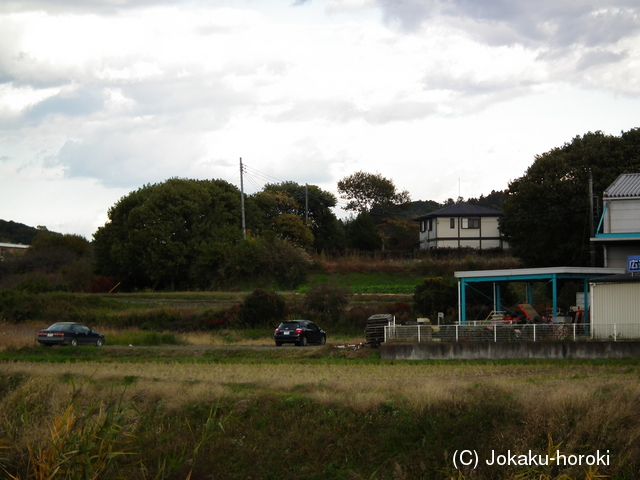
<point x="615" y="300"/>
<point x="619" y="228"/>
<point x="463" y="225"/>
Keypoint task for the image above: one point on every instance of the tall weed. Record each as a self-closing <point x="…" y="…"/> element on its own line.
<point x="81" y="443"/>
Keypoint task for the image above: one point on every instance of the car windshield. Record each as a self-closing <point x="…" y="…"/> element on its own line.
<point x="289" y="325"/>
<point x="61" y="327"/>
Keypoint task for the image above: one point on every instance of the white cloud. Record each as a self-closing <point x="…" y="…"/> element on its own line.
<point x="107" y="96"/>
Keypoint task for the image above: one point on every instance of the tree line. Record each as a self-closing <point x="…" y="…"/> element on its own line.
<point x="188" y="234"/>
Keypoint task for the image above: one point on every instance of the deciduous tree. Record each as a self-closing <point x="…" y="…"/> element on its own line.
<point x="364" y="190"/>
<point x="313" y="205"/>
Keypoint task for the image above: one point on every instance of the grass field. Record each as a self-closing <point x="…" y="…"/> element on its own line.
<point x="306" y="413"/>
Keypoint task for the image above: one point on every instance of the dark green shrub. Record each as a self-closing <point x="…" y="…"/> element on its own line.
<point x="265" y="262"/>
<point x="400" y="310"/>
<point x="262" y="308"/>
<point x="357" y="316"/>
<point x="18" y="306"/>
<point x="78" y="276"/>
<point x="328" y="302"/>
<point x="435" y="295"/>
<point x="223" y="317"/>
<point x="35" y="285"/>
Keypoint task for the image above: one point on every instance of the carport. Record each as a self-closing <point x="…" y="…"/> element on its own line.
<point x="552" y="275"/>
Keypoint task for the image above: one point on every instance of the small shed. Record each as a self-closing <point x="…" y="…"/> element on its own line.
<point x="615" y="303"/>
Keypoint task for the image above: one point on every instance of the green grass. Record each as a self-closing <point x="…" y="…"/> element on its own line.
<point x="359" y="282"/>
<point x="287" y="355"/>
<point x="142" y="338"/>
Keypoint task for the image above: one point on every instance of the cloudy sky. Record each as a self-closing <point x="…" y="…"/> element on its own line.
<point x="444" y="97"/>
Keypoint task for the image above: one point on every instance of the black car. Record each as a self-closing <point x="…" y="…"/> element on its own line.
<point x="299" y="332"/>
<point x="70" y="333"/>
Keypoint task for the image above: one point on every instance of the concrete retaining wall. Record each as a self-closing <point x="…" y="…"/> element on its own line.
<point x="506" y="350"/>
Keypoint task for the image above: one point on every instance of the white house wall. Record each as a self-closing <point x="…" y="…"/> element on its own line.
<point x="615" y="303"/>
<point x="443" y="236"/>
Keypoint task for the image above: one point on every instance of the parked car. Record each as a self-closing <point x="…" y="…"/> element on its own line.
<point x="70" y="333"/>
<point x="299" y="332"/>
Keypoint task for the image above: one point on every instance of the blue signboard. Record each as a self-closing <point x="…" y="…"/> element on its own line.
<point x="633" y="263"/>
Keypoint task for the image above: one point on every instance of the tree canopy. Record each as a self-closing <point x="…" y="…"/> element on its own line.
<point x="547" y="210"/>
<point x="187" y="234"/>
<point x="364" y="190"/>
<point x="12" y="232"/>
<point x="313" y="206"/>
<point x="155" y="234"/>
<point x="362" y="233"/>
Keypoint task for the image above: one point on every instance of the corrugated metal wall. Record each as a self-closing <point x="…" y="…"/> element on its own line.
<point x="615" y="303"/>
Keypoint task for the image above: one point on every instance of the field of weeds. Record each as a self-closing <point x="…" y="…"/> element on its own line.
<point x="309" y="413"/>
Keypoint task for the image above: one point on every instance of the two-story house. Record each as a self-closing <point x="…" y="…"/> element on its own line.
<point x="619" y="228"/>
<point x="462" y="225"/>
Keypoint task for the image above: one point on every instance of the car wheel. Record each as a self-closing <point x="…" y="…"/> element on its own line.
<point x="303" y="342"/>
<point x="323" y="340"/>
<point x="73" y="342"/>
<point x="99" y="342"/>
<point x="278" y="344"/>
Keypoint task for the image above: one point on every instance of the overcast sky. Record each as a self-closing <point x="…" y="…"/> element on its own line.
<point x="444" y="97"/>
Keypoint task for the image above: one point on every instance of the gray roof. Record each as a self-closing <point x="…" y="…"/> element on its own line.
<point x="12" y="245"/>
<point x="620" y="278"/>
<point x="540" y="273"/>
<point x="462" y="210"/>
<point x="626" y="185"/>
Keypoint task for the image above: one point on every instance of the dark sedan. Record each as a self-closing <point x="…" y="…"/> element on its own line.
<point x="70" y="333"/>
<point x="299" y="332"/>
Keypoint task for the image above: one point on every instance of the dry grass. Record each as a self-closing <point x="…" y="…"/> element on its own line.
<point x="454" y="405"/>
<point x="360" y="386"/>
<point x="19" y="335"/>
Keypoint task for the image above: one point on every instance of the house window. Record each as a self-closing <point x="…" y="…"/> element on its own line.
<point x="452" y="223"/>
<point x="470" y="223"/>
<point x="426" y="226"/>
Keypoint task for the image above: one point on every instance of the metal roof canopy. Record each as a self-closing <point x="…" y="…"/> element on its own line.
<point x="549" y="274"/>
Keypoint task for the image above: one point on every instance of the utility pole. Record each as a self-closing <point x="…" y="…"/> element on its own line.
<point x="244" y="228"/>
<point x="306" y="204"/>
<point x="592" y="249"/>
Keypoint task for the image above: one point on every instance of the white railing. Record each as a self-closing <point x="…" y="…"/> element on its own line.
<point x="512" y="332"/>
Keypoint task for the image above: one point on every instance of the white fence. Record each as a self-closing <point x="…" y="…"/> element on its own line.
<point x="512" y="332"/>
